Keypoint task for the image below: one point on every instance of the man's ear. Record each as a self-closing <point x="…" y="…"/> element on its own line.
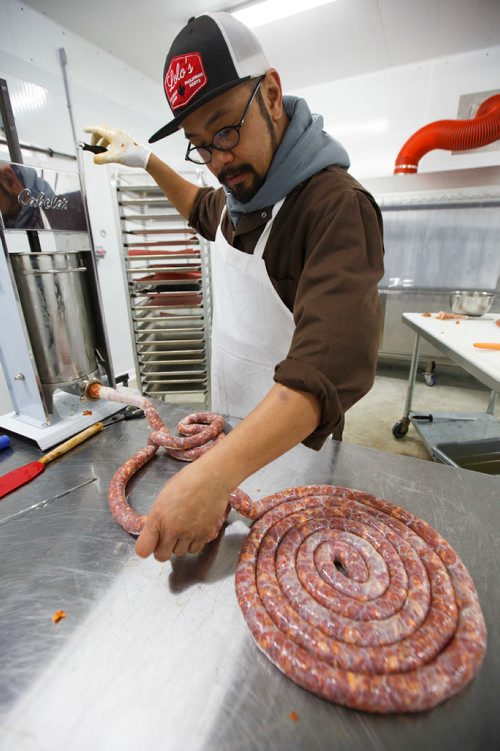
<point x="273" y="94"/>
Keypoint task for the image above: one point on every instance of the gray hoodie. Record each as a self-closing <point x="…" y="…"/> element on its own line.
<point x="305" y="150"/>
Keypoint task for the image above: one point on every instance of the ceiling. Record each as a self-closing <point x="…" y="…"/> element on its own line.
<point x="343" y="39"/>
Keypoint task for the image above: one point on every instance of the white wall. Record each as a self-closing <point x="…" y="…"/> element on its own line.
<point x="373" y="115"/>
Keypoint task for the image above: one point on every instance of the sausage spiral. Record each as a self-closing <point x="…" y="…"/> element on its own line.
<point x="359" y="601"/>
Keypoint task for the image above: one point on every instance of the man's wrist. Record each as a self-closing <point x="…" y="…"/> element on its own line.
<point x="224" y="462"/>
<point x="147" y="157"/>
<point x="139" y="156"/>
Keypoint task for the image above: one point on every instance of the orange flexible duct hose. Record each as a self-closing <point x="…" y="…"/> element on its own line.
<point x="453" y="135"/>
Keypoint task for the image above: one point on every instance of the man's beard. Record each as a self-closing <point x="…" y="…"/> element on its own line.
<point x="242" y="193"/>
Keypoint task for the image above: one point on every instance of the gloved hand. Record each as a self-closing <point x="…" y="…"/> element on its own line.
<point x="121" y="147"/>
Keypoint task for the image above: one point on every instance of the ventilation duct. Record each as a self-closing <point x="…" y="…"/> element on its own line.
<point x="452" y="135"/>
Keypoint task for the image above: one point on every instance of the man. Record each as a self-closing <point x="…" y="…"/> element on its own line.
<point x="295" y="264"/>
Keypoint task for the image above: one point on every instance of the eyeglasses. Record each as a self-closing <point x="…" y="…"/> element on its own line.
<point x="224" y="139"/>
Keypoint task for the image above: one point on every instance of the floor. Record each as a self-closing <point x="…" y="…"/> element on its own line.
<point x="370" y="421"/>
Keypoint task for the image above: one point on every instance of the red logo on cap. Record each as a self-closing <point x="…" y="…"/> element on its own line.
<point x="184" y="78"/>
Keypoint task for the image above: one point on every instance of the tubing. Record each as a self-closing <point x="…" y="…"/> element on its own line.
<point x="453" y="135"/>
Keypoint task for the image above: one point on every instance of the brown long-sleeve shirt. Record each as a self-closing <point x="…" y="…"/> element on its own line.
<point x="324" y="256"/>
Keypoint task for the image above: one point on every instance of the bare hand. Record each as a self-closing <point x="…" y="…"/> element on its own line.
<point x="188" y="513"/>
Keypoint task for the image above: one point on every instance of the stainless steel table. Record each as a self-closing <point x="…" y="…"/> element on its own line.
<point x="455" y="339"/>
<point x="154" y="656"/>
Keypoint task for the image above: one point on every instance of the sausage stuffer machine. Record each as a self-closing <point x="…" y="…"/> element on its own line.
<point x="52" y="335"/>
<point x="52" y="343"/>
<point x="53" y="339"/>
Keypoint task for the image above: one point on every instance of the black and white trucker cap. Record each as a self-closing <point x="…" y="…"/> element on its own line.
<point x="210" y="55"/>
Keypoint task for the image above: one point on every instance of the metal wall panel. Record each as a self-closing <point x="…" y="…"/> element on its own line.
<point x="441" y="233"/>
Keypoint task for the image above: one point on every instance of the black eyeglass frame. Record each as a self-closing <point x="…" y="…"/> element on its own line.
<point x="233" y="128"/>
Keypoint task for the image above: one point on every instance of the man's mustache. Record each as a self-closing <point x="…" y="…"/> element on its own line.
<point x="229" y="172"/>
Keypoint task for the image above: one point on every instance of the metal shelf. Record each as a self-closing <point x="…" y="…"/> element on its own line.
<point x="168" y="291"/>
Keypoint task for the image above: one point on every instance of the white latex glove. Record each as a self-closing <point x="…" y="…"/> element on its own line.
<point x="121" y="147"/>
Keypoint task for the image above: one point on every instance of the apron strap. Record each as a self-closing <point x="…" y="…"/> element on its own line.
<point x="261" y="242"/>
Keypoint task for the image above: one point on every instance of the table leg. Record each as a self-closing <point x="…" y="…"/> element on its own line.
<point x="491" y="403"/>
<point x="400" y="429"/>
<point x="412" y="376"/>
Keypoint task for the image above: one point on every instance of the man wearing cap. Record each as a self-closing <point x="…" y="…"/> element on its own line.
<point x="297" y="254"/>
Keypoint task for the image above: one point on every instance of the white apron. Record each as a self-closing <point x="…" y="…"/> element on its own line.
<point x="251" y="326"/>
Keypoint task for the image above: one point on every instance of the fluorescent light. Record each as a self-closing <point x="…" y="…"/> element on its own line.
<point x="28" y="98"/>
<point x="260" y="13"/>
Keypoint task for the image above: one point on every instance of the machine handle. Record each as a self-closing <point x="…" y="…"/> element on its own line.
<point x="71" y="443"/>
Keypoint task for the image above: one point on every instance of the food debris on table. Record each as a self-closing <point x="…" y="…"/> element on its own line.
<point x="294" y="716"/>
<point x="58" y="616"/>
<point x="444" y="316"/>
<point x="87" y="412"/>
<point x="487" y="345"/>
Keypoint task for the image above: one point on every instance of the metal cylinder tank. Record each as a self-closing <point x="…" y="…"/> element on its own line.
<point x="53" y="294"/>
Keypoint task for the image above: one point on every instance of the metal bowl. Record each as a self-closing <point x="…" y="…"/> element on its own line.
<point x="471" y="302"/>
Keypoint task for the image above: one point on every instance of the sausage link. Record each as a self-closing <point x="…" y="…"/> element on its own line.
<point x="122" y="512"/>
<point x="199" y="432"/>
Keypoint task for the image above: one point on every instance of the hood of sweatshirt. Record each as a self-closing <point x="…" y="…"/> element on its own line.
<point x="305" y="150"/>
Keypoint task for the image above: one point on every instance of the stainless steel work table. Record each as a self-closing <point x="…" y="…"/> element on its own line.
<point x="158" y="656"/>
<point x="455" y="339"/>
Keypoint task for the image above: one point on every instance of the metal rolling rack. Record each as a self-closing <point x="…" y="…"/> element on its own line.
<point x="167" y="273"/>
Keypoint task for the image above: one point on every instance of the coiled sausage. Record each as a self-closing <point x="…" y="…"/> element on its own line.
<point x="359" y="601"/>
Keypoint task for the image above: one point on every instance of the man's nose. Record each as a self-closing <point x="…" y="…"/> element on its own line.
<point x="220" y="159"/>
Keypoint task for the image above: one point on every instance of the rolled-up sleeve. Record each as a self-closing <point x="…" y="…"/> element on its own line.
<point x="206" y="211"/>
<point x="337" y="314"/>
